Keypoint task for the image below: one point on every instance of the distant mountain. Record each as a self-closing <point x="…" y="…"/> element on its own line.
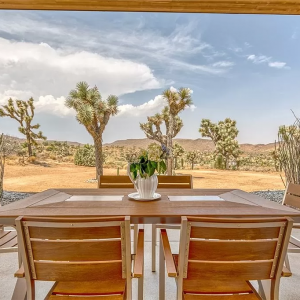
<point x="187" y="144"/>
<point x="190" y="145"/>
<point x="22" y="140"/>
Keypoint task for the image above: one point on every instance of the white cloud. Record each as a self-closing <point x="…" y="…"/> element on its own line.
<point x="277" y="64"/>
<point x="43" y="70"/>
<point x="262" y="59"/>
<point x="134" y="41"/>
<point x="148" y="108"/>
<point x="223" y="64"/>
<point x="259" y="59"/>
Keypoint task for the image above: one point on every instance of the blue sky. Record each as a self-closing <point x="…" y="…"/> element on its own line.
<point x="245" y="67"/>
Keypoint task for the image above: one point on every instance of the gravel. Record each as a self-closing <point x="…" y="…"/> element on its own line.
<point x="9" y="196"/>
<point x="272" y="195"/>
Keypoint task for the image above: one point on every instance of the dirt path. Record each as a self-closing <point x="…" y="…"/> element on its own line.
<point x="35" y="178"/>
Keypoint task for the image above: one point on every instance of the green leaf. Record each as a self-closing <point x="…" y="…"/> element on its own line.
<point x="162" y="167"/>
<point x="132" y="167"/>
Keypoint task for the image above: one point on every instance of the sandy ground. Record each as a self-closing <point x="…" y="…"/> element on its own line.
<point x="35" y="178"/>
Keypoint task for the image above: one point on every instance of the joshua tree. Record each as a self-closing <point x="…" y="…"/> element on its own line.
<point x="94" y="113"/>
<point x="23" y="112"/>
<point x="192" y="157"/>
<point x="8" y="146"/>
<point x="177" y="101"/>
<point x="288" y="151"/>
<point x="178" y="151"/>
<point x="224" y="136"/>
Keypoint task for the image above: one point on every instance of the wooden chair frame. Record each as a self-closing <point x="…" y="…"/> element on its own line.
<point x="165" y="226"/>
<point x="164" y="181"/>
<point x="28" y="268"/>
<point x="8" y="240"/>
<point x="181" y="271"/>
<point x="292" y="198"/>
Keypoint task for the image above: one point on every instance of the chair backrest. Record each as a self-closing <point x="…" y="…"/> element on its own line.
<point x="292" y="195"/>
<point x="115" y="182"/>
<point x="175" y="182"/>
<point x="64" y="249"/>
<point x="164" y="182"/>
<point x="239" y="249"/>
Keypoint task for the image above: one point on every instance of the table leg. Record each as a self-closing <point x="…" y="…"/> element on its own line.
<point x="161" y="273"/>
<point x="20" y="290"/>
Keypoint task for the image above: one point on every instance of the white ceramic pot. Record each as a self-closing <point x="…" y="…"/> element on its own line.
<point x="146" y="186"/>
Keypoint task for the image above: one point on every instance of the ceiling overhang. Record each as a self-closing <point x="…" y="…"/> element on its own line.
<point x="183" y="6"/>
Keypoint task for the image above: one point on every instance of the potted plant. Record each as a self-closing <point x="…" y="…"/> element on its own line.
<point x="143" y="170"/>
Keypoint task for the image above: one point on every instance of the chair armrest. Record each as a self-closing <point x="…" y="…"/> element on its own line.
<point x="286" y="272"/>
<point x="296" y="226"/>
<point x="20" y="273"/>
<point x="170" y="264"/>
<point x="138" y="268"/>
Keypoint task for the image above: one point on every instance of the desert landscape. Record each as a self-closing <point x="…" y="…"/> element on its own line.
<point x="36" y="178"/>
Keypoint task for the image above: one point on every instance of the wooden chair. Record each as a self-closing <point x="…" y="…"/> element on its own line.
<point x="87" y="258"/>
<point x="116" y="182"/>
<point x="164" y="182"/>
<point x="292" y="198"/>
<point x="8" y="240"/>
<point x="218" y="257"/>
<point x="169" y="182"/>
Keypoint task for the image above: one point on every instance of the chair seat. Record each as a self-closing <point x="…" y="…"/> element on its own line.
<point x="8" y="241"/>
<point x="192" y="289"/>
<point x="112" y="290"/>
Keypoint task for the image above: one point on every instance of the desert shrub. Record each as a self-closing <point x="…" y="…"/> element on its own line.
<point x="31" y="159"/>
<point x="288" y="151"/>
<point x="85" y="156"/>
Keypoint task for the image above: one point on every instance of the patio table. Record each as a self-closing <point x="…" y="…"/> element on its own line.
<point x="96" y="203"/>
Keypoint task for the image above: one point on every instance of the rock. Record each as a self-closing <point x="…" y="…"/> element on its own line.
<point x="91" y="180"/>
<point x="9" y="196"/>
<point x="272" y="195"/>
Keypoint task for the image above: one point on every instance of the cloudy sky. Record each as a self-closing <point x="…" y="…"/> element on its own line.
<point x="245" y="67"/>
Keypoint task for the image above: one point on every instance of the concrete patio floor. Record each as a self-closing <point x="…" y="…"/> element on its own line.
<point x="289" y="288"/>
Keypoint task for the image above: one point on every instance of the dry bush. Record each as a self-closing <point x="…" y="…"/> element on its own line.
<point x="31" y="159"/>
<point x="288" y="151"/>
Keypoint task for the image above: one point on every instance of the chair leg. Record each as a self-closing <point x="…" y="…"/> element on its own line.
<point x="287" y="262"/>
<point x="135" y="235"/>
<point x="141" y="288"/>
<point x="162" y="278"/>
<point x="153" y="247"/>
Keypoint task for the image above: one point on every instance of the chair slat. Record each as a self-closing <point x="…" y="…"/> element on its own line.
<point x="109" y="297"/>
<point x="250" y="270"/>
<point x="7" y="237"/>
<point x="216" y="286"/>
<point x="12" y="243"/>
<point x="75" y="233"/>
<point x="235" y="233"/>
<point x="65" y="271"/>
<point x="115" y="179"/>
<point x="232" y="250"/>
<point x="117" y="182"/>
<point x="90" y="287"/>
<point x="85" y="250"/>
<point x="173" y="186"/>
<point x="294" y="189"/>
<point x="292" y="200"/>
<point x="251" y="296"/>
